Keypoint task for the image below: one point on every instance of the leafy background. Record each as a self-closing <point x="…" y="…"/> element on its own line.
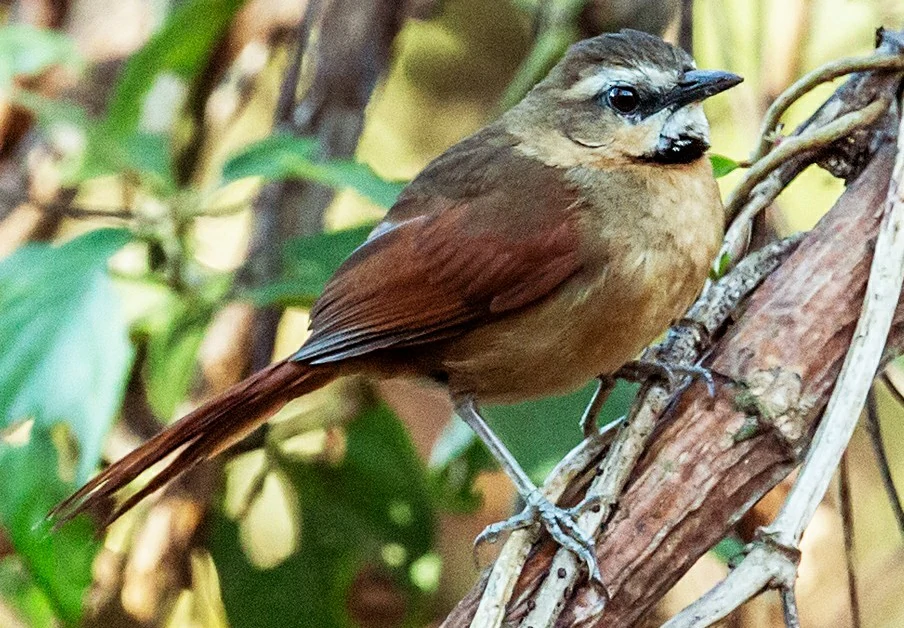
<point x="131" y="167"/>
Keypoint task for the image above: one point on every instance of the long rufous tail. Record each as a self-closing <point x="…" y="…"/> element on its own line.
<point x="200" y="435"/>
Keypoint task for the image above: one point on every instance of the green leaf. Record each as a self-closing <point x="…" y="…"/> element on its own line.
<point x="283" y="156"/>
<point x="51" y="112"/>
<point x="375" y="497"/>
<point x="66" y="351"/>
<point x="58" y="562"/>
<point x="26" y="50"/>
<point x="144" y="155"/>
<point x="172" y="353"/>
<point x="270" y="158"/>
<point x="720" y="267"/>
<point x="729" y="549"/>
<point x="182" y="46"/>
<point x="722" y="165"/>
<point x="308" y="263"/>
<point x="540" y="433"/>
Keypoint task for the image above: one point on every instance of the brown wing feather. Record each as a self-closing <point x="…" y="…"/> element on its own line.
<point x="449" y="255"/>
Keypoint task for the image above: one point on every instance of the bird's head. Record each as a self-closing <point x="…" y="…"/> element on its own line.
<point x="623" y="97"/>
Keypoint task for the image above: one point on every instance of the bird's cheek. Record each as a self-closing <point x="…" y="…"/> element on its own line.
<point x="589" y="129"/>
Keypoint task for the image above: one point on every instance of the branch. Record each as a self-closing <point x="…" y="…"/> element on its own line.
<point x="686" y="26"/>
<point x="874" y="429"/>
<point x="682" y="347"/>
<point x="845" y="405"/>
<point x="845" y="505"/>
<point x="350" y="53"/>
<point x="817" y="139"/>
<point x="771" y="173"/>
<point x="824" y="74"/>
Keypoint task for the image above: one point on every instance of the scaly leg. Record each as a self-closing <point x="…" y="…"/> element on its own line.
<point x="561" y="523"/>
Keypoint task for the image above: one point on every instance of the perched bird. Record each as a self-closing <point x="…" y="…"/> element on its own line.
<point x="543" y="251"/>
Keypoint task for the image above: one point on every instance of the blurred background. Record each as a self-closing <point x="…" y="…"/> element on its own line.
<point x="177" y="181"/>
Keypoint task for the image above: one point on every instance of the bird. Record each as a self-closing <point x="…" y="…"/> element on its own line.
<point x="542" y="252"/>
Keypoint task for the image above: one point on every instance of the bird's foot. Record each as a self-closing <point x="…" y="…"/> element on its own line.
<point x="561" y="523"/>
<point x="641" y="370"/>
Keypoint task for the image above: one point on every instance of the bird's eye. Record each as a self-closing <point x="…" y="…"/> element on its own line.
<point x="623" y="99"/>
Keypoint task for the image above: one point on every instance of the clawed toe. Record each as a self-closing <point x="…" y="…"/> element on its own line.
<point x="561" y="523"/>
<point x="643" y="369"/>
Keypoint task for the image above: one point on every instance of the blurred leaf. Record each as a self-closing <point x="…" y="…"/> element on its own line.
<point x="308" y="263"/>
<point x="286" y="157"/>
<point x="540" y="433"/>
<point x="729" y="549"/>
<point x="722" y="165"/>
<point x="51" y="112"/>
<point x="350" y="512"/>
<point x="458" y="457"/>
<point x="270" y="158"/>
<point x="66" y="351"/>
<point x="26" y="50"/>
<point x="172" y="353"/>
<point x="116" y="144"/>
<point x="144" y="155"/>
<point x="60" y="561"/>
<point x="24" y="597"/>
<point x="182" y="46"/>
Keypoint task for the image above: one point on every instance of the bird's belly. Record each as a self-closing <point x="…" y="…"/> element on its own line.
<point x="591" y="327"/>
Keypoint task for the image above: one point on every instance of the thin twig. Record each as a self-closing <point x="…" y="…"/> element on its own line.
<point x="760" y="568"/>
<point x="789" y="607"/>
<point x="874" y="429"/>
<point x="763" y="182"/>
<point x="264" y="255"/>
<point x="809" y="141"/>
<point x="682" y="346"/>
<point x="810" y="80"/>
<point x="863" y="358"/>
<point x="66" y="209"/>
<point x="847" y="523"/>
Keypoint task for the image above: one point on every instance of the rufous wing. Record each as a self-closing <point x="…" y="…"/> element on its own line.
<point x="483" y="231"/>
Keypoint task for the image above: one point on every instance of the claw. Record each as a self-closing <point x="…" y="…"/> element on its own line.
<point x="656" y="368"/>
<point x="589" y="503"/>
<point x="561" y="523"/>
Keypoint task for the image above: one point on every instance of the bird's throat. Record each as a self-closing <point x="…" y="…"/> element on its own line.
<point x="682" y="150"/>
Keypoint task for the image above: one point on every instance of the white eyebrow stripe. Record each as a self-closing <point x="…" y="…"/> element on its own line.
<point x="592" y="85"/>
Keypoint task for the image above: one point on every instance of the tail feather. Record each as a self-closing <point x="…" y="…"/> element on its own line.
<point x="200" y="435"/>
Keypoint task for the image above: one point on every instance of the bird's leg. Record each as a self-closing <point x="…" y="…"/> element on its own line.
<point x="561" y="523"/>
<point x="604" y="386"/>
<point x="643" y="369"/>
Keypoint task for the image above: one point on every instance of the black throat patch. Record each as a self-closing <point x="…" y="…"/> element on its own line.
<point x="682" y="150"/>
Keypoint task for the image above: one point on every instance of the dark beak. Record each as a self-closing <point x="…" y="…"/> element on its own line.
<point x="698" y="85"/>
